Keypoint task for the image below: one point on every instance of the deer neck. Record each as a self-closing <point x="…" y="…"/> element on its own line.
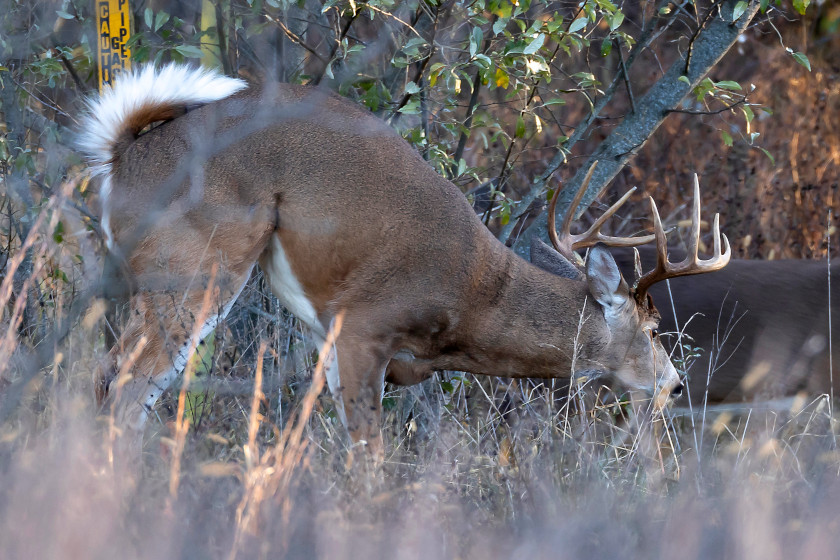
<point x="536" y="325"/>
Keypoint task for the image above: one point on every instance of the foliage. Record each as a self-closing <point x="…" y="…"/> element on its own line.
<point x="477" y="87"/>
<point x="487" y="91"/>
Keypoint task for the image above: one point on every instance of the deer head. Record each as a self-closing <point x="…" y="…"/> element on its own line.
<point x="634" y="352"/>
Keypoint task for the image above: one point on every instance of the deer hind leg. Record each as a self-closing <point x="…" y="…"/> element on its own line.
<point x="154" y="347"/>
<point x="173" y="266"/>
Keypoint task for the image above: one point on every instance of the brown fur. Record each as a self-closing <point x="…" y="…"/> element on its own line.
<point x="754" y="311"/>
<point x="370" y="231"/>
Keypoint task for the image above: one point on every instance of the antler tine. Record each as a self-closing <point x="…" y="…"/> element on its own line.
<point x="691" y="264"/>
<point x="567" y="219"/>
<point x="593" y="235"/>
<point x="694" y="237"/>
<point x="661" y="238"/>
<point x="564" y="243"/>
<point x="552" y="225"/>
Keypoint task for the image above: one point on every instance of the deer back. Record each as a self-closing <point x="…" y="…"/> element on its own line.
<point x="762" y="327"/>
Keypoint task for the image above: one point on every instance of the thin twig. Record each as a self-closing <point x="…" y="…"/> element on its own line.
<point x="296" y="39"/>
<point x="626" y="75"/>
<point x="719" y="111"/>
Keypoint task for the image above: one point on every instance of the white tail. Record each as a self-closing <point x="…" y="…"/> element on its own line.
<point x="343" y="216"/>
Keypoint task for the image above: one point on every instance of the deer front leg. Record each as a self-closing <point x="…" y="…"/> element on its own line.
<point x="357" y="382"/>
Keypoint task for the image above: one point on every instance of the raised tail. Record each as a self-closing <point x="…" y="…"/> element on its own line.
<point x="142" y="97"/>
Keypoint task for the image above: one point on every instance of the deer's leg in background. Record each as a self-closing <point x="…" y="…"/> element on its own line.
<point x="421" y="403"/>
<point x="402" y="372"/>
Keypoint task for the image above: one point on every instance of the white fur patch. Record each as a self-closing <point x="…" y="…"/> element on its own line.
<point x="334" y="382"/>
<point x="287" y="288"/>
<point x="104" y="195"/>
<point x="404" y="356"/>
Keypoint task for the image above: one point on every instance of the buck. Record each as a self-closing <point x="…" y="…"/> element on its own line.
<point x="761" y="329"/>
<point x="343" y="217"/>
<point x="764" y="327"/>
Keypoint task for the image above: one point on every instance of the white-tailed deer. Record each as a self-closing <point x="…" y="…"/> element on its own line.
<point x="343" y="216"/>
<point x="763" y="326"/>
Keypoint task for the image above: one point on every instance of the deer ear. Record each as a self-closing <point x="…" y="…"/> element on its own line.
<point x="546" y="258"/>
<point x="605" y="282"/>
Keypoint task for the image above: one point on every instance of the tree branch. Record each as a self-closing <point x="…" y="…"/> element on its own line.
<point x="713" y="41"/>
<point x="648" y="36"/>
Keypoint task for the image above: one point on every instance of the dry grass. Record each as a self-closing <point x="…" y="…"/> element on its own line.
<point x="248" y="460"/>
<point x="474" y="467"/>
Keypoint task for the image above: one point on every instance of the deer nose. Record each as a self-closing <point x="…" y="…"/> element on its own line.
<point x="677" y="391"/>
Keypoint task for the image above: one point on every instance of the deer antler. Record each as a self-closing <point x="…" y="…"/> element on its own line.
<point x="691" y="264"/>
<point x="565" y="243"/>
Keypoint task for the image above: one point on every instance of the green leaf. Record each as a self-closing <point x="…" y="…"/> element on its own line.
<point x="504" y="213"/>
<point x="520" y="126"/>
<point x="434" y="73"/>
<point x="684" y="79"/>
<point x="764" y="4"/>
<point x="499" y="25"/>
<point x="412" y="88"/>
<point x="555" y="101"/>
<point x="482" y="61"/>
<point x="768" y="154"/>
<point x="58" y="232"/>
<point x="148" y="17"/>
<point x="616" y="19"/>
<point x="748" y="113"/>
<point x="555" y="24"/>
<point x="606" y="46"/>
<point x="801" y="5"/>
<point x="160" y="20"/>
<point x="411" y="108"/>
<point x="802" y="59"/>
<point x="535" y="45"/>
<point x="739" y="10"/>
<point x="475" y="40"/>
<point x="606" y="5"/>
<point x="704" y="88"/>
<point x="578" y="24"/>
<point x="727" y="139"/>
<point x="189" y="51"/>
<point x="728" y="84"/>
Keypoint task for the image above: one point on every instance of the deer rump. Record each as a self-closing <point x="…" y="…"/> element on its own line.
<point x="343" y="217"/>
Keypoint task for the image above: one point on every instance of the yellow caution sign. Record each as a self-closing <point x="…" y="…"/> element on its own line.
<point x="113" y="20"/>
